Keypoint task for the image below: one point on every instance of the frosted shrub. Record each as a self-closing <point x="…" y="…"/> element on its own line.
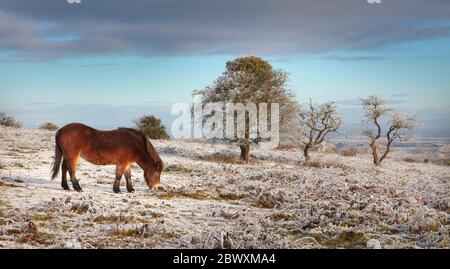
<point x="444" y="154"/>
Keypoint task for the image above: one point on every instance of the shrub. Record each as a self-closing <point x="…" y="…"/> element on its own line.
<point x="9" y="121"/>
<point x="223" y="158"/>
<point x="327" y="148"/>
<point x="152" y="127"/>
<point x="410" y="160"/>
<point x="178" y="169"/>
<point x="444" y="154"/>
<point x="326" y="164"/>
<point x="48" y="126"/>
<point x="349" y="151"/>
<point x="286" y="147"/>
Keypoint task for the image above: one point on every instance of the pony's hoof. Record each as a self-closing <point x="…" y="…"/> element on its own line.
<point x="130" y="190"/>
<point x="116" y="190"/>
<point x="76" y="187"/>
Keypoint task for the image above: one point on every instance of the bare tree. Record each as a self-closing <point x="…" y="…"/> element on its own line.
<point x="400" y="126"/>
<point x="317" y="121"/>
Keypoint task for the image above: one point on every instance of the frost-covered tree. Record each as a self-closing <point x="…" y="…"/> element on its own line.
<point x="444" y="154"/>
<point x="400" y="126"/>
<point x="253" y="80"/>
<point x="9" y="121"/>
<point x="317" y="121"/>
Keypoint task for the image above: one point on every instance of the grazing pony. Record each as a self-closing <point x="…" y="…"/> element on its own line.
<point x="121" y="147"/>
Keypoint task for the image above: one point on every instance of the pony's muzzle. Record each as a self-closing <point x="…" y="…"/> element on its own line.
<point x="157" y="187"/>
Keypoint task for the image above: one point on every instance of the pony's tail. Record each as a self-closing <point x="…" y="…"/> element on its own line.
<point x="58" y="158"/>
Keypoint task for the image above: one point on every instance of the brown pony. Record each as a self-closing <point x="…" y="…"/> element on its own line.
<point x="121" y="147"/>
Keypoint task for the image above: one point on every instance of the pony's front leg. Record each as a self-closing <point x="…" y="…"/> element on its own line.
<point x="128" y="178"/>
<point x="120" y="168"/>
<point x="116" y="186"/>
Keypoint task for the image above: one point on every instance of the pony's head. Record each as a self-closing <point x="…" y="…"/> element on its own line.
<point x="152" y="175"/>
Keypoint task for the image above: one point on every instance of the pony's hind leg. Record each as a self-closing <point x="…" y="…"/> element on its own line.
<point x="128" y="178"/>
<point x="64" y="184"/>
<point x="72" y="167"/>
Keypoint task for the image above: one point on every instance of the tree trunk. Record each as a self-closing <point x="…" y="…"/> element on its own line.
<point x="306" y="152"/>
<point x="382" y="157"/>
<point x="388" y="149"/>
<point x="373" y="147"/>
<point x="245" y="152"/>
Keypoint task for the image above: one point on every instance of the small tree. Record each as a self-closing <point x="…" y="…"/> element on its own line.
<point x="152" y="127"/>
<point x="48" y="126"/>
<point x="444" y="154"/>
<point x="9" y="121"/>
<point x="317" y="122"/>
<point x="399" y="126"/>
<point x="252" y="80"/>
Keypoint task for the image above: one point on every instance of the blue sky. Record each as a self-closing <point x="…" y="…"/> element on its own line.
<point x="95" y="64"/>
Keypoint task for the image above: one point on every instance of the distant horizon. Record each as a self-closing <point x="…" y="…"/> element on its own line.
<point x="99" y="116"/>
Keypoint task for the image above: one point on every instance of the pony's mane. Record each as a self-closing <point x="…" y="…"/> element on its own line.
<point x="150" y="149"/>
<point x="135" y="131"/>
